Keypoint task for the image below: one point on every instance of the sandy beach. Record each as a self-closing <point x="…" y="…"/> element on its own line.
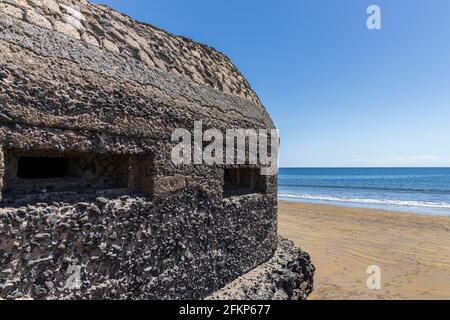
<point x="413" y="251"/>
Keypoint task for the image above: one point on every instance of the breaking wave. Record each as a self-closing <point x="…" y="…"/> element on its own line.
<point x="405" y="203"/>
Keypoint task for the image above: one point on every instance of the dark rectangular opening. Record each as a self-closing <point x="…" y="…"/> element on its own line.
<point x="42" y="167"/>
<point x="243" y="181"/>
<point x="47" y="172"/>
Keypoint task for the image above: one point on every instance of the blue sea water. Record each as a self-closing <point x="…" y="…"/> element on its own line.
<point x="419" y="190"/>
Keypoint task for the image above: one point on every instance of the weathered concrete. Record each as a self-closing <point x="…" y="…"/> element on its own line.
<point x="118" y="33"/>
<point x="288" y="275"/>
<point x="130" y="247"/>
<point x="102" y="93"/>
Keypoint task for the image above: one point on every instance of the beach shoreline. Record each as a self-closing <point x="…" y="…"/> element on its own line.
<point x="393" y="208"/>
<point x="412" y="250"/>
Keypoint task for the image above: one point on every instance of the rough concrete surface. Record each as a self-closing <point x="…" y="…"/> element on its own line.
<point x="89" y="99"/>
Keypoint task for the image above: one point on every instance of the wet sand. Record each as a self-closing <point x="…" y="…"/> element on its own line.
<point x="413" y="251"/>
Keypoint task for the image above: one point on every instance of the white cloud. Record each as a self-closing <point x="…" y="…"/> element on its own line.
<point x="403" y="161"/>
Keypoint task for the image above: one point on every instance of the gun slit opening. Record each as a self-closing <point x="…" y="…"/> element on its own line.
<point x="41" y="172"/>
<point x="239" y="182"/>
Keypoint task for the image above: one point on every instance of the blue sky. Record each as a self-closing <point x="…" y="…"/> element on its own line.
<point x="340" y="94"/>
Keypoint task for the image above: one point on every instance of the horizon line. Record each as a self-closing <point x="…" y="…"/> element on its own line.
<point x="362" y="167"/>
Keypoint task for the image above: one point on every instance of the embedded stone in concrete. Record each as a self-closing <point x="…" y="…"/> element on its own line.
<point x="37" y="19"/>
<point x="73" y="22"/>
<point x="111" y="46"/>
<point x="37" y="3"/>
<point x="90" y="39"/>
<point x="67" y="29"/>
<point x="22" y="3"/>
<point x="145" y="58"/>
<point x="51" y="6"/>
<point x="73" y="11"/>
<point x="11" y="10"/>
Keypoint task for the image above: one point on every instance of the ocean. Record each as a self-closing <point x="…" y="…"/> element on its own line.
<point x="418" y="190"/>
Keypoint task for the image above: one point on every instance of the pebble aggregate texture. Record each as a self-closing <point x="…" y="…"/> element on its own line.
<point x="82" y="79"/>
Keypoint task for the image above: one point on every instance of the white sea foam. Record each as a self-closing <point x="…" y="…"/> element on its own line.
<point x="405" y="203"/>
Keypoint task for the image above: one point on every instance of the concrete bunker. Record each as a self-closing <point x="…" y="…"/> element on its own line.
<point x="86" y="173"/>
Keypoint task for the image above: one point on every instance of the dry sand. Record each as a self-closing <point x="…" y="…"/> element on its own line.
<point x="413" y="251"/>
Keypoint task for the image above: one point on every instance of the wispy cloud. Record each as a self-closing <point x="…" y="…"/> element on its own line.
<point x="403" y="161"/>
